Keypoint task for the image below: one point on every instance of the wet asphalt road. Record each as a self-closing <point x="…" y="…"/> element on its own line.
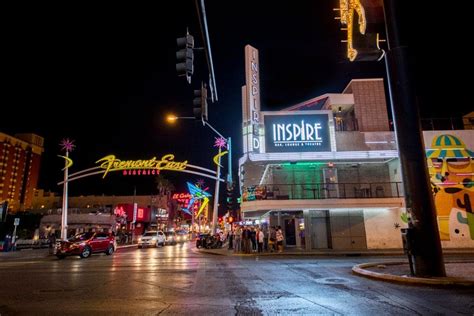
<point x="177" y="280"/>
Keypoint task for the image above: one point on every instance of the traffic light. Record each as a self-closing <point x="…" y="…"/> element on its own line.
<point x="185" y="56"/>
<point x="229" y="199"/>
<point x="230" y="219"/>
<point x="200" y="103"/>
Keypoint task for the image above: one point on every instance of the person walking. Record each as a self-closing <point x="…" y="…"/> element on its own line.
<point x="260" y="236"/>
<point x="237" y="241"/>
<point x="279" y="238"/>
<point x="246" y="239"/>
<point x="265" y="238"/>
<point x="272" y="240"/>
<point x="253" y="239"/>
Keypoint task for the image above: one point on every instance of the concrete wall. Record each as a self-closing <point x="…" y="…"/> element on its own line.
<point x="350" y="141"/>
<point x="381" y="228"/>
<point x="370" y="106"/>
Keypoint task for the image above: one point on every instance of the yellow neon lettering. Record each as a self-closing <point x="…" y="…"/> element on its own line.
<point x="111" y="163"/>
<point x="107" y="163"/>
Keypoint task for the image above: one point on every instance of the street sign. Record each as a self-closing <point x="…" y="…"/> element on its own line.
<point x="17" y="221"/>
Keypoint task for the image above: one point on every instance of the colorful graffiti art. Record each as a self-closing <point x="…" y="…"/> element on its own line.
<point x="451" y="168"/>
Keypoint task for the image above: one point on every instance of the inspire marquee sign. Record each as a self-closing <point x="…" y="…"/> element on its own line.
<point x="297" y="133"/>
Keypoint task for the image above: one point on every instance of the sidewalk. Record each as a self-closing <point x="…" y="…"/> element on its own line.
<point x="36" y="253"/>
<point x="458" y="273"/>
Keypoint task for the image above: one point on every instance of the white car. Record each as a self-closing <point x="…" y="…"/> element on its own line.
<point x="152" y="238"/>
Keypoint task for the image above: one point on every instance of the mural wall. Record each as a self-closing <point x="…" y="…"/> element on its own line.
<point x="450" y="158"/>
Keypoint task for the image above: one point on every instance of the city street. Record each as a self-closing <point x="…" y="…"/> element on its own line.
<point x="179" y="280"/>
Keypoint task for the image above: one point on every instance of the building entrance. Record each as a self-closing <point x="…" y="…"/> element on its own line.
<point x="290" y="232"/>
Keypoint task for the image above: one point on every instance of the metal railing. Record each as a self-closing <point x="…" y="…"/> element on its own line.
<point x="309" y="191"/>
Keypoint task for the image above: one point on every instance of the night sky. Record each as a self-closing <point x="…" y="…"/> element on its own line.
<point x="105" y="76"/>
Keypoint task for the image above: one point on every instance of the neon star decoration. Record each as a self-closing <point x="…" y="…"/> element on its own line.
<point x="197" y="194"/>
<point x="200" y="183"/>
<point x="67" y="145"/>
<point x="220" y="143"/>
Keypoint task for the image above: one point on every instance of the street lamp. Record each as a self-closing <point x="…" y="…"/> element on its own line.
<point x="171" y="118"/>
<point x="67" y="145"/>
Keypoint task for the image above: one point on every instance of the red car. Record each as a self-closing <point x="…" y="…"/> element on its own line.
<point x="85" y="244"/>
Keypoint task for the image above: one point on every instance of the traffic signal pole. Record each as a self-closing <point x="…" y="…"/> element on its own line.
<point x="426" y="245"/>
<point x="217" y="187"/>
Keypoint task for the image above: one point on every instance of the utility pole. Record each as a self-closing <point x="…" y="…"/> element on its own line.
<point x="67" y="145"/>
<point x="427" y="252"/>
<point x="134" y="218"/>
<point x="65" y="206"/>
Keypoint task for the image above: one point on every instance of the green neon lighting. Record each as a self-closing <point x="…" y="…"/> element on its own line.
<point x="305" y="164"/>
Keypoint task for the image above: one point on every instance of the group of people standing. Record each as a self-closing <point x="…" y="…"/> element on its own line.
<point x="249" y="239"/>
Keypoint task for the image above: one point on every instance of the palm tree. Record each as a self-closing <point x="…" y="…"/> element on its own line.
<point x="164" y="186"/>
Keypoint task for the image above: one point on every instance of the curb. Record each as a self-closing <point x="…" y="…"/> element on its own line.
<point x="360" y="270"/>
<point x="306" y="254"/>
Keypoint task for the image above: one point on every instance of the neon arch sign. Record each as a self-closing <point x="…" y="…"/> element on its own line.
<point x="151" y="166"/>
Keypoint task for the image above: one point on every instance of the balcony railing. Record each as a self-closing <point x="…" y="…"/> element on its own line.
<point x="322" y="191"/>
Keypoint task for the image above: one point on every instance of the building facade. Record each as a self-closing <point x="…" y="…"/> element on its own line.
<point x="327" y="171"/>
<point x="20" y="157"/>
<point x="114" y="213"/>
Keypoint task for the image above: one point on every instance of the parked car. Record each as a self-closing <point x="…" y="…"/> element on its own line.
<point x="170" y="238"/>
<point x="152" y="238"/>
<point x="85" y="244"/>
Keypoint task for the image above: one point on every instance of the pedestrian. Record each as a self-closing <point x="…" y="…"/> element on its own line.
<point x="230" y="236"/>
<point x="237" y="239"/>
<point x="272" y="240"/>
<point x="260" y="236"/>
<point x="302" y="238"/>
<point x="253" y="238"/>
<point x="265" y="237"/>
<point x="246" y="239"/>
<point x="279" y="239"/>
